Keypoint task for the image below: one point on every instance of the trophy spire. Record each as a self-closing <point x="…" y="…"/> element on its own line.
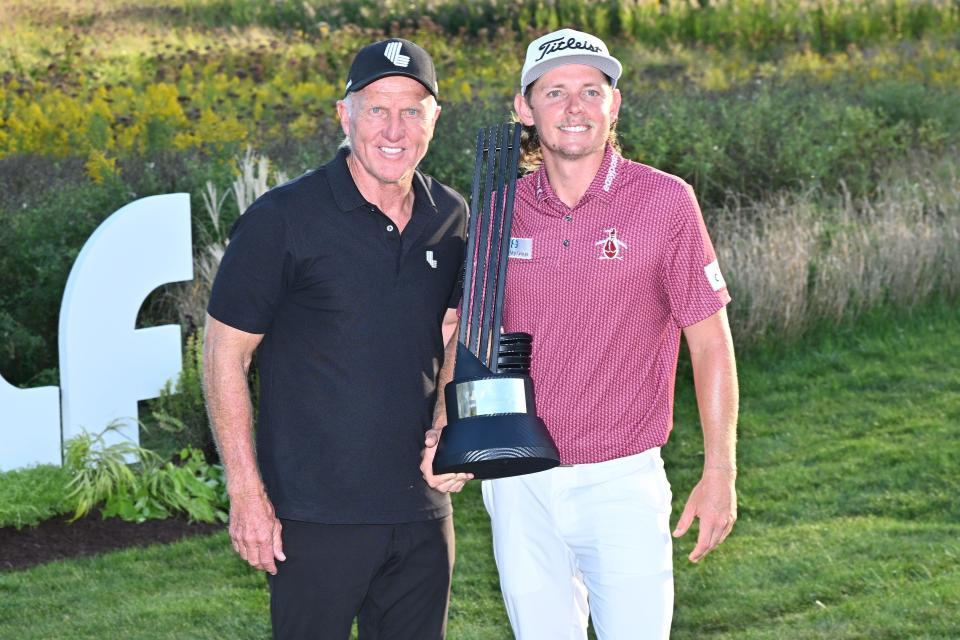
<point x="492" y="428"/>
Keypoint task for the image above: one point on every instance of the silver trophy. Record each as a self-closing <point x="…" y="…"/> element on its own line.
<point x="492" y="426"/>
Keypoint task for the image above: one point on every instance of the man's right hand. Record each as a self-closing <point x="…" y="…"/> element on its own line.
<point x="255" y="531"/>
<point x="444" y="483"/>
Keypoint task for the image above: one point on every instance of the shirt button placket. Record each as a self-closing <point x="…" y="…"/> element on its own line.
<point x="567" y="218"/>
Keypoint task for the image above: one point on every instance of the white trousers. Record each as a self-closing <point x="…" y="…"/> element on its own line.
<point x="591" y="532"/>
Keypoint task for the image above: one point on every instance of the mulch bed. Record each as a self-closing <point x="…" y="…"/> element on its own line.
<point x="57" y="538"/>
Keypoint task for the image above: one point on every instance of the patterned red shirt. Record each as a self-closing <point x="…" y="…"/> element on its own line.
<point x="605" y="288"/>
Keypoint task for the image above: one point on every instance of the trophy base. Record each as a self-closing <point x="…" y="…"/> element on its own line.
<point x="489" y="464"/>
<point x="496" y="446"/>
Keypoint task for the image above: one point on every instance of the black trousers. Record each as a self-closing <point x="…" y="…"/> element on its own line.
<point x="395" y="579"/>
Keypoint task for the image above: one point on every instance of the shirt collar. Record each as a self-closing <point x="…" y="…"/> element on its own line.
<point x="349" y="198"/>
<point x="422" y="197"/>
<point x="603" y="185"/>
<point x="344" y="189"/>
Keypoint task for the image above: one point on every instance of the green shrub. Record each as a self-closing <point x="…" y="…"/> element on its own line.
<point x="757" y="141"/>
<point x="180" y="411"/>
<point x="930" y="113"/>
<point x="179" y="414"/>
<point x="32" y="495"/>
<point x="19" y="348"/>
<point x="99" y="471"/>
<point x="44" y="227"/>
<point x="149" y="488"/>
<point x="192" y="487"/>
<point x="39" y="245"/>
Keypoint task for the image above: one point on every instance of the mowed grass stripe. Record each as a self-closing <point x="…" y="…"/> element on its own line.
<point x="192" y="589"/>
<point x="849" y="516"/>
<point x="849" y="522"/>
<point x="851" y="577"/>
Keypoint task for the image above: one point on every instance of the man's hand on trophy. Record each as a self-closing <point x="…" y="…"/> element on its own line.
<point x="447" y="482"/>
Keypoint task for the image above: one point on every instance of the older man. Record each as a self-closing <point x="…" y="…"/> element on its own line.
<point x="344" y="283"/>
<point x="611" y="265"/>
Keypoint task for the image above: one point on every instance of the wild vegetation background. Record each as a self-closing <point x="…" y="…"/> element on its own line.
<point x="799" y="112"/>
<point x="822" y="138"/>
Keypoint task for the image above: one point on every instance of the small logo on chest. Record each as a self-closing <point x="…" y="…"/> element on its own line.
<point x="611" y="247"/>
<point x="431" y="260"/>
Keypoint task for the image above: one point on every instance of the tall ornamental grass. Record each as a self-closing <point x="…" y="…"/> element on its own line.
<point x="802" y="259"/>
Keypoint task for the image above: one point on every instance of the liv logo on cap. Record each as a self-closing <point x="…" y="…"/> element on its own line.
<point x="394" y="57"/>
<point x="392" y="53"/>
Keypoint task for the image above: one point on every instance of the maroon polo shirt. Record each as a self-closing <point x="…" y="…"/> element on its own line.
<point x="605" y="288"/>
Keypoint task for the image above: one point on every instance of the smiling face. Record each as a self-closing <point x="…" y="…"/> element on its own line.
<point x="390" y="123"/>
<point x="573" y="108"/>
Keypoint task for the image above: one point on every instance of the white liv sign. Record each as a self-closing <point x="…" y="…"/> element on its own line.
<point x="106" y="363"/>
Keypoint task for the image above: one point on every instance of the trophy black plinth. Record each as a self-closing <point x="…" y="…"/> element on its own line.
<point x="496" y="447"/>
<point x="492" y="426"/>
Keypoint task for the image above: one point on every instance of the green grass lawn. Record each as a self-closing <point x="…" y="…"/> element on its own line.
<point x="29" y="496"/>
<point x="849" y="517"/>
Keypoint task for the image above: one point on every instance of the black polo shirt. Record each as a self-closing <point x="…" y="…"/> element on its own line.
<point x="351" y="312"/>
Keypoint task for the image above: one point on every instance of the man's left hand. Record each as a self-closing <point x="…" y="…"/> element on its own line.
<point x="714" y="502"/>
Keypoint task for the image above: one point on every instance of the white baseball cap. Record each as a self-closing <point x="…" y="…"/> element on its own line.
<point x="567" y="46"/>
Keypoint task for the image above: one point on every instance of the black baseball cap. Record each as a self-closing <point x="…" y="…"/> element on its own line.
<point x="394" y="57"/>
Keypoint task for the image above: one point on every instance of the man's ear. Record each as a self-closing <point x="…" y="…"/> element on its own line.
<point x="524" y="112"/>
<point x="343" y="112"/>
<point x="615" y="106"/>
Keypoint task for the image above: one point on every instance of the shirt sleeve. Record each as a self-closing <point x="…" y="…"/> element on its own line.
<point x="256" y="270"/>
<point x="457" y="294"/>
<point x="695" y="287"/>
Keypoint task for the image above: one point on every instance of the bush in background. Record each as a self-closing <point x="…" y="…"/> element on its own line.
<point x="755" y="143"/>
<point x="179" y="412"/>
<point x="149" y="488"/>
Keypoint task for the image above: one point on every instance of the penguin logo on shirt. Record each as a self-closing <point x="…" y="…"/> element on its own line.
<point x="611" y="247"/>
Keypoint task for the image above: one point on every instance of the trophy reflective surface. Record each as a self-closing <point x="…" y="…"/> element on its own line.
<point x="492" y="426"/>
